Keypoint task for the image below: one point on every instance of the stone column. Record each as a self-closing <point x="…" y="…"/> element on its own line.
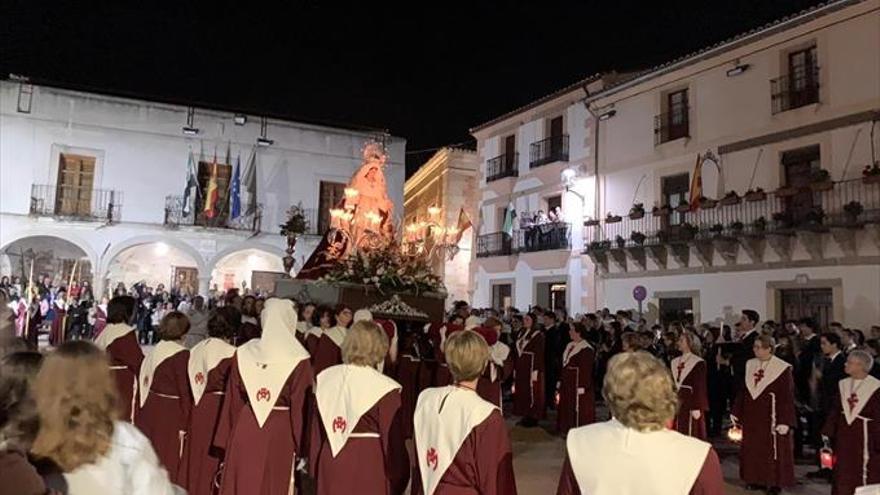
<point x="204" y="284"/>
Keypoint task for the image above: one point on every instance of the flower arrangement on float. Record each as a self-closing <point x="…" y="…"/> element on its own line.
<point x="387" y="269"/>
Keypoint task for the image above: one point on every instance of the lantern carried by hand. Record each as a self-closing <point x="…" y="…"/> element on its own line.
<point x="827" y="459"/>
<point x="735" y="434"/>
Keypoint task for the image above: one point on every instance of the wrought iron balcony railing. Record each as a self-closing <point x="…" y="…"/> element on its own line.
<point x="544" y="237"/>
<point x="552" y="149"/>
<point x="494" y="244"/>
<point x="502" y="166"/>
<point x="76" y="203"/>
<point x="847" y="204"/>
<point x="672" y="125"/>
<point x="795" y="90"/>
<point x="176" y="215"/>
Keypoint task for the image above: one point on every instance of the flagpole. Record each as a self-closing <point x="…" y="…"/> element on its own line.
<point x="28" y="296"/>
<point x="66" y="302"/>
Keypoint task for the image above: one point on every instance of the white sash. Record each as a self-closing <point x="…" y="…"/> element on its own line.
<point x="610" y="459"/>
<point x="204" y="357"/>
<point x="690" y="361"/>
<point x="343" y="394"/>
<point x="444" y="417"/>
<point x="163" y="350"/>
<point x="572" y="349"/>
<point x="266" y="363"/>
<point x="523" y="341"/>
<point x="336" y="335"/>
<point x="302" y="327"/>
<point x="112" y="332"/>
<point x="316" y="331"/>
<point x="772" y="370"/>
<point x="863" y="393"/>
<point x="498" y="353"/>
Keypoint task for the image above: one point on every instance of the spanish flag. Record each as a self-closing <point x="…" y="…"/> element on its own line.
<point x="211" y="193"/>
<point x="697" y="184"/>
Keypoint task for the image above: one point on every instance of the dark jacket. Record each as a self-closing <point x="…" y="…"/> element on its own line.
<point x="832" y="373"/>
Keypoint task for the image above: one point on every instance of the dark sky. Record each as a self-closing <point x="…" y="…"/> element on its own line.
<point x="427" y="71"/>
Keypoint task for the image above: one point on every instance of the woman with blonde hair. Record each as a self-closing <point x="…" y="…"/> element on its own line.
<point x="603" y="457"/>
<point x="689" y="372"/>
<point x="357" y="443"/>
<point x="461" y="441"/>
<point x="79" y="431"/>
<point x="19" y="423"/>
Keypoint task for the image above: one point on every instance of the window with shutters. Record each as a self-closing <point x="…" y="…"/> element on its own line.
<point x="330" y="195"/>
<point x="73" y="192"/>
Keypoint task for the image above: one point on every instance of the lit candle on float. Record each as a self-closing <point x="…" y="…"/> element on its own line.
<point x="434" y="210"/>
<point x="350" y="192"/>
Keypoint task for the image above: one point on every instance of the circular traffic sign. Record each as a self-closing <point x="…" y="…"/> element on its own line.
<point x="640" y="293"/>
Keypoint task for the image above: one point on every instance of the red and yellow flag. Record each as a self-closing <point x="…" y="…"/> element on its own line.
<point x="697" y="184"/>
<point x="211" y="193"/>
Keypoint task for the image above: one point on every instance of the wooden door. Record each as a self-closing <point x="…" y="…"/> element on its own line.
<point x="264" y="282"/>
<point x="802" y="77"/>
<point x="186" y="279"/>
<point x="556" y="132"/>
<point x="330" y="196"/>
<point x="677" y="106"/>
<point x="817" y="303"/>
<point x="674" y="188"/>
<point x="73" y="194"/>
<point x="798" y="166"/>
<point x="680" y="309"/>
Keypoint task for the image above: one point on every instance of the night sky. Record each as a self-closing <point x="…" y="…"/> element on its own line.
<point x="426" y="72"/>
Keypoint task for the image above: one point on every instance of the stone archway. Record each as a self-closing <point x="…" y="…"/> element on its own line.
<point x="254" y="268"/>
<point x="61" y="260"/>
<point x="154" y="260"/>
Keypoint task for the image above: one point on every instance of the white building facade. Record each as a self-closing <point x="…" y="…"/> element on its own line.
<point x="779" y="124"/>
<point x="97" y="181"/>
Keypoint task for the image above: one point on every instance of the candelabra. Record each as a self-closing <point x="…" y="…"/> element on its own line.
<point x="431" y="238"/>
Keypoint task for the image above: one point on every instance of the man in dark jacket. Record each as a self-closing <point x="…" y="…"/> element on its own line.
<point x="555" y="340"/>
<point x="748" y="332"/>
<point x="832" y="372"/>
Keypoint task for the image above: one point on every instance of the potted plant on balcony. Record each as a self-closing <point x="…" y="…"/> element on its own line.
<point x="760" y="225"/>
<point x="637" y="211"/>
<point x="707" y="203"/>
<point x="871" y="174"/>
<point x="661" y="211"/>
<point x="683" y="206"/>
<point x="783" y="219"/>
<point x="736" y="227"/>
<point x="820" y="180"/>
<point x="296" y="225"/>
<point x="756" y="194"/>
<point x="852" y="210"/>
<point x="815" y="216"/>
<point x="787" y="191"/>
<point x="593" y="222"/>
<point x="620" y="241"/>
<point x="613" y="218"/>
<point x="687" y="232"/>
<point x="599" y="246"/>
<point x="638" y="238"/>
<point x="729" y="199"/>
<point x="663" y="236"/>
<point x="717" y="229"/>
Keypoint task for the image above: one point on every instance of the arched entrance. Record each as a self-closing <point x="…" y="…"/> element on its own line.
<point x="152" y="264"/>
<point x="53" y="258"/>
<point x="257" y="269"/>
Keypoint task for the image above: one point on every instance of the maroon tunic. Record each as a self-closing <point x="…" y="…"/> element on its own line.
<point x="759" y="462"/>
<point x="165" y="414"/>
<point x="311" y="345"/>
<point x="18" y="476"/>
<point x="483" y="464"/>
<point x="125" y="363"/>
<point x="56" y="332"/>
<point x="327" y="354"/>
<point x="849" y="441"/>
<point x="200" y="460"/>
<point x="490" y="390"/>
<point x="367" y="466"/>
<point x="259" y="461"/>
<point x="577" y="406"/>
<point x="692" y="396"/>
<point x="528" y="397"/>
<point x="710" y="481"/>
<point x="413" y="377"/>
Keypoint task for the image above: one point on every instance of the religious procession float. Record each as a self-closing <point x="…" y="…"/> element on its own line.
<point x="364" y="261"/>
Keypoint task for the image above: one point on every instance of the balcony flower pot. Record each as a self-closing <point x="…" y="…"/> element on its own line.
<point x="687" y="232"/>
<point x="815" y="217"/>
<point x="783" y="219"/>
<point x="852" y="210"/>
<point x="717" y="229"/>
<point x="708" y="204"/>
<point x="620" y="241"/>
<point x="730" y="199"/>
<point x="662" y="211"/>
<point x="599" y="246"/>
<point x="591" y="223"/>
<point x="871" y="179"/>
<point x="787" y="191"/>
<point x="638" y="238"/>
<point x="755" y="195"/>
<point x="737" y="227"/>
<point x="683" y="207"/>
<point x="826" y="185"/>
<point x="637" y="211"/>
<point x="613" y="218"/>
<point x="760" y="225"/>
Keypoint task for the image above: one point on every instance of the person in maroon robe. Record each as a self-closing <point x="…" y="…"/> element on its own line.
<point x="119" y="341"/>
<point x="577" y="406"/>
<point x="764" y="409"/>
<point x="689" y="372"/>
<point x="500" y="365"/>
<point x="261" y="427"/>
<point x="357" y="443"/>
<point x="325" y="321"/>
<point x="208" y="371"/>
<point x="635" y="452"/>
<point x="328" y="351"/>
<point x="528" y="374"/>
<point x="59" y="322"/>
<point x="442" y="377"/>
<point x="164" y="395"/>
<point x="304" y="322"/>
<point x="413" y="376"/>
<point x="853" y="429"/>
<point x="461" y="441"/>
<point x="98" y="318"/>
<point x="388" y="366"/>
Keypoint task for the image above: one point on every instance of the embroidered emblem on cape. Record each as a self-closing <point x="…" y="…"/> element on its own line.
<point x="759" y="375"/>
<point x="432" y="458"/>
<point x="339" y="424"/>
<point x="264" y="394"/>
<point x="853" y="400"/>
<point x="200" y="378"/>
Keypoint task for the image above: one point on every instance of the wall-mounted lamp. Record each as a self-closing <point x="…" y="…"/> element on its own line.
<point x="263" y="140"/>
<point x="739" y="69"/>
<point x="239" y="119"/>
<point x="607" y="115"/>
<point x="189" y="129"/>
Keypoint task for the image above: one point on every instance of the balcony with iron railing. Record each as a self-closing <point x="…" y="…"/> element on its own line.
<point x="795" y="90"/>
<point x="546" y="237"/>
<point x="672" y="125"/>
<point x="506" y="165"/>
<point x="549" y="150"/>
<point x="846" y="205"/>
<point x="176" y="216"/>
<point x="76" y="203"/>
